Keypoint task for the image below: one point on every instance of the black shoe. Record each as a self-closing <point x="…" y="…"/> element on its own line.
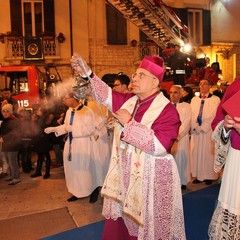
<point x="46" y="176"/>
<point x="36" y="174"/>
<point x="196" y="181"/>
<point x="208" y="182"/>
<point x="94" y="196"/>
<point x="183" y="187"/>
<point x="72" y="199"/>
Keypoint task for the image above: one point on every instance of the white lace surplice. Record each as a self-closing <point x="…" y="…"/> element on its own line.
<point x="225" y="223"/>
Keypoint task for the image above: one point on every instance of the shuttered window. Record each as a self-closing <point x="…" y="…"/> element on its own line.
<point x="207" y="38"/>
<point x="116" y="27"/>
<point x="16" y="17"/>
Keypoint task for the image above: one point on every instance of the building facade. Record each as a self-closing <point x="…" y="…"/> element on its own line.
<point x="109" y="35"/>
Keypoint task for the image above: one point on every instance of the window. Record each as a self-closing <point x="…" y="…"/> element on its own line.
<point x="18" y="82"/>
<point x="195" y="26"/>
<point x="31" y="18"/>
<point x="116" y="27"/>
<point x="32" y="15"/>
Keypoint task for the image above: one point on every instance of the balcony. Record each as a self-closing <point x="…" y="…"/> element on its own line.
<point x="30" y="48"/>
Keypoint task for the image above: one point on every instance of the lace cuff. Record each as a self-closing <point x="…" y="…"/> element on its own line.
<point x="99" y="89"/>
<point x="139" y="136"/>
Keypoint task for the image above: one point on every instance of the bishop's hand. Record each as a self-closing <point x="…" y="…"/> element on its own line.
<point x="80" y="65"/>
<point x="122" y="116"/>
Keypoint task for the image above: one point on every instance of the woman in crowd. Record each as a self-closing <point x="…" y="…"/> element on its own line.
<point x="187" y="94"/>
<point x="9" y="139"/>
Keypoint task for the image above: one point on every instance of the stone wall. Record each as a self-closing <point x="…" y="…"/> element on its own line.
<point x="113" y="59"/>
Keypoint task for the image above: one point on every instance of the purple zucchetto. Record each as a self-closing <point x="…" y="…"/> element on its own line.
<point x="153" y="64"/>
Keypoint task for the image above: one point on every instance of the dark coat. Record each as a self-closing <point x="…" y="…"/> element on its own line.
<point x="26" y="132"/>
<point x="41" y="140"/>
<point x="10" y="133"/>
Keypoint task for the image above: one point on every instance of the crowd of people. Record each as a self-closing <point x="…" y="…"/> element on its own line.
<point x="158" y="145"/>
<point x="22" y="134"/>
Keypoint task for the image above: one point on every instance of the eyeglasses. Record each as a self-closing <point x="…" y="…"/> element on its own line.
<point x="115" y="85"/>
<point x="141" y="75"/>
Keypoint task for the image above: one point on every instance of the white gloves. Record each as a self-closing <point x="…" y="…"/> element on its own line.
<point x="68" y="128"/>
<point x="80" y="65"/>
<point x="49" y="130"/>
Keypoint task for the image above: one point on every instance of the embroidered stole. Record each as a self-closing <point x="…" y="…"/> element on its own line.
<point x="132" y="200"/>
<point x="70" y="135"/>
<point x="221" y="148"/>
